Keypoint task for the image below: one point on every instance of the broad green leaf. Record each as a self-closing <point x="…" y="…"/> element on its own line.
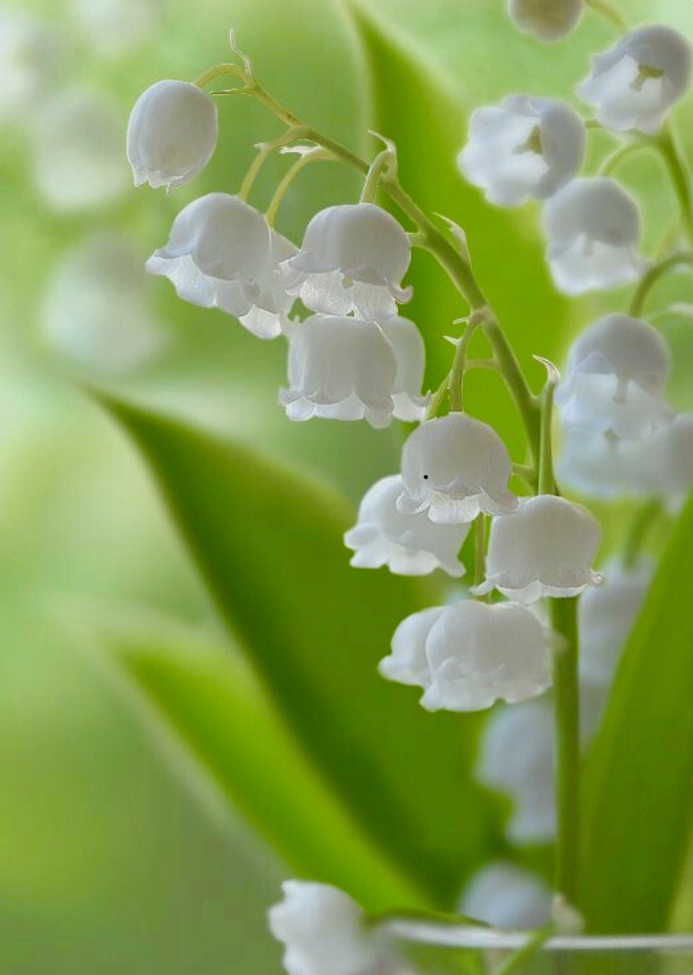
<point x="269" y="546"/>
<point x="424" y="115"/>
<point x="639" y="774"/>
<point x="221" y="719"/>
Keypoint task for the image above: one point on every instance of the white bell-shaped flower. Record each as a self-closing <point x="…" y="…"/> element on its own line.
<point x="172" y="134"/>
<point x="340" y="368"/>
<point x="222" y="254"/>
<point x="506" y="896"/>
<point x="95" y="309"/>
<point x="353" y="258"/>
<point x="549" y="20"/>
<point x="634" y="84"/>
<point x="78" y="162"/>
<point x="544" y="548"/>
<point x="32" y="59"/>
<point x="593" y="229"/>
<point x="601" y="465"/>
<point x="524" y="148"/>
<point x="676" y="476"/>
<point x="453" y="467"/>
<point x="617" y="371"/>
<point x="324" y="932"/>
<point x="516" y="759"/>
<point x="410" y="545"/>
<point x="470" y="654"/>
<point x="606" y="615"/>
<point x="410" y="353"/>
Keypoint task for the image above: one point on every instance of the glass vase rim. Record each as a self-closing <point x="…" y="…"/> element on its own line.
<point x="446" y="935"/>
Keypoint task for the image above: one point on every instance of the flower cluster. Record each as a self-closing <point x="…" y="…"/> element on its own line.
<point x="352" y="356"/>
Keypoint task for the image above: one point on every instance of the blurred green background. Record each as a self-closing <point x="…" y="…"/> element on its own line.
<point x="109" y="863"/>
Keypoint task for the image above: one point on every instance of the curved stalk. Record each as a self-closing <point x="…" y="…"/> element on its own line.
<point x="649" y="280"/>
<point x="672" y="154"/>
<point x="609" y="12"/>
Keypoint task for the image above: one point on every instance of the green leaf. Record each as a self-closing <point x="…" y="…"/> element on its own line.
<point x="209" y="700"/>
<point x="269" y="546"/>
<point x="639" y="774"/>
<point x="422" y="113"/>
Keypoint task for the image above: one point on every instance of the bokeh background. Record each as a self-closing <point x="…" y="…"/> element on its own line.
<point x="109" y="861"/>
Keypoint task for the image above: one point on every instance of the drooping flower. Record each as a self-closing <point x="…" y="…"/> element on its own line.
<point x="593" y="229"/>
<point x="95" y="309"/>
<point x="675" y="477"/>
<point x="544" y="548"/>
<point x="634" y="84"/>
<point x="77" y="159"/>
<point x="599" y="464"/>
<point x="353" y="258"/>
<point x="525" y="148"/>
<point x="506" y="896"/>
<point x="324" y="933"/>
<point x="172" y="134"/>
<point x="408" y="544"/>
<point x="32" y="58"/>
<point x="410" y="353"/>
<point x="222" y="254"/>
<point x="469" y="655"/>
<point x="606" y="615"/>
<point x="549" y="20"/>
<point x="453" y="467"/>
<point x="340" y="368"/>
<point x="617" y="371"/>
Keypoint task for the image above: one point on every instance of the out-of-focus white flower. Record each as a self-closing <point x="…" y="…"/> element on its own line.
<point x="634" y="84"/>
<point x="32" y="58"/>
<point x="324" y="933"/>
<point x="453" y="467"/>
<point x="544" y="548"/>
<point x="353" y="258"/>
<point x="410" y="545"/>
<point x="340" y="368"/>
<point x="77" y="152"/>
<point x="602" y="465"/>
<point x="617" y="371"/>
<point x="172" y="134"/>
<point x="516" y="758"/>
<point x="222" y="254"/>
<point x="676" y="477"/>
<point x="524" y="148"/>
<point x="593" y="228"/>
<point x="470" y="654"/>
<point x="410" y="353"/>
<point x="95" y="309"/>
<point x="606" y="615"/>
<point x="549" y="20"/>
<point x="116" y="26"/>
<point x="506" y="896"/>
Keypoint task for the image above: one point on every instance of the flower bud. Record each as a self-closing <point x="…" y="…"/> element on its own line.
<point x="340" y="368"/>
<point x="172" y="134"/>
<point x="453" y="467"/>
<point x="506" y="896"/>
<point x="593" y="229"/>
<point x="470" y="655"/>
<point x="634" y="84"/>
<point x="544" y="548"/>
<point x="353" y="258"/>
<point x="525" y="148"/>
<point x="617" y="371"/>
<point x="410" y="545"/>
<point x="324" y="933"/>
<point x="549" y="20"/>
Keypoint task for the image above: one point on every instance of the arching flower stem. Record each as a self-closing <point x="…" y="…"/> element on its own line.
<point x="459" y="364"/>
<point x="657" y="271"/>
<point x="265" y="150"/>
<point x="383" y="162"/>
<point x="313" y="155"/>
<point x="609" y="12"/>
<point x="668" y="144"/>
<point x="623" y="152"/>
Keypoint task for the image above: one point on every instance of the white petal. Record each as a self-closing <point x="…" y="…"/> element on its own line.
<point x="407" y="664"/>
<point x="505" y="896"/>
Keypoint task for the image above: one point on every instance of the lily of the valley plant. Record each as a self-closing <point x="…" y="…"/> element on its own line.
<point x="533" y="591"/>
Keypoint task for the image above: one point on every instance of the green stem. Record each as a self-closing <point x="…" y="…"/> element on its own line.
<point x="265" y="151"/>
<point x="606" y="10"/>
<point x="375" y="174"/>
<point x="456" y="378"/>
<point x="566" y="748"/>
<point x="623" y="152"/>
<point x="516" y="960"/>
<point x="547" y="482"/>
<point x="680" y="174"/>
<point x="526" y="402"/>
<point x="642" y="522"/>
<point x="657" y="271"/>
<point x="314" y="155"/>
<point x="218" y="70"/>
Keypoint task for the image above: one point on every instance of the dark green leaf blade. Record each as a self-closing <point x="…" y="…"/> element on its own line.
<point x="269" y="546"/>
<point x="639" y="774"/>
